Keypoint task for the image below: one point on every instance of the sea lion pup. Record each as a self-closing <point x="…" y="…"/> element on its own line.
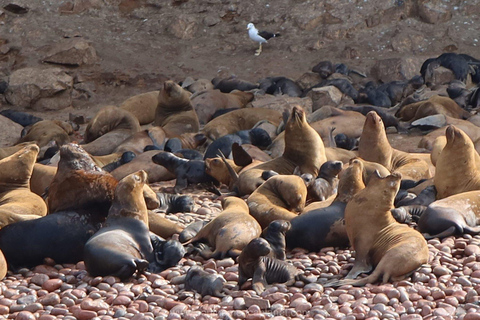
<point x="455" y="215"/>
<point x="204" y="283"/>
<point x="207" y="102"/>
<point x="325" y="227"/>
<point x="241" y="119"/>
<point x="172" y="203"/>
<point x="392" y="249"/>
<point x="186" y="171"/>
<point x="325" y="185"/>
<point x="281" y="197"/>
<point x="22" y="118"/>
<point x="303" y="148"/>
<point x="44" y="131"/>
<point x="79" y="183"/>
<point x="434" y="105"/>
<point x="374" y="146"/>
<point x="456" y="169"/>
<point x="123" y="246"/>
<point x="255" y="263"/>
<point x="174" y="112"/>
<point x="142" y="106"/>
<point x="108" y="129"/>
<point x="230" y="231"/>
<point x="17" y="202"/>
<point x="233" y="83"/>
<point x="275" y="235"/>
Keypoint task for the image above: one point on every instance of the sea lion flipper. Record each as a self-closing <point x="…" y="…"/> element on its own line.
<point x="359" y="267"/>
<point x="258" y="280"/>
<point x="471" y="230"/>
<point x="240" y="156"/>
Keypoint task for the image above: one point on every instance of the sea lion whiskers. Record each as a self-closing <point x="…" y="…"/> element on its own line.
<point x="232" y="172"/>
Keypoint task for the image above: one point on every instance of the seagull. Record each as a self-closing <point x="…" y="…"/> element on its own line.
<point x="259" y="36"/>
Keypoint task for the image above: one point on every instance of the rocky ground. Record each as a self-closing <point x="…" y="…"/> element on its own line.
<point x="79" y="55"/>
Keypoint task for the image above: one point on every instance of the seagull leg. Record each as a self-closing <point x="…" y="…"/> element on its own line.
<point x="257" y="53"/>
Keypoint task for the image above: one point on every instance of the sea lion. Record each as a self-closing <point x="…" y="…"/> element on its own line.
<point x="324" y="227"/>
<point x="204" y="283"/>
<point x="172" y="203"/>
<point x="254" y="263"/>
<point x="167" y="252"/>
<point x="256" y="136"/>
<point x="45" y="131"/>
<point x="454" y="215"/>
<point x="455" y="62"/>
<point x="374" y="146"/>
<point x="303" y="148"/>
<point x="391" y="249"/>
<point x="230" y="231"/>
<point x="186" y="171"/>
<point x="142" y="106"/>
<point x="232" y="83"/>
<point x="241" y="119"/>
<point x="275" y="235"/>
<point x="139" y="140"/>
<point x="22" y="118"/>
<point x="451" y="175"/>
<point x="175" y="113"/>
<point x="280" y="85"/>
<point x="8" y="151"/>
<point x="162" y="226"/>
<point x="108" y="129"/>
<point x="191" y="230"/>
<point x="42" y="176"/>
<point x="434" y="105"/>
<point x="206" y="103"/>
<point x="281" y="197"/>
<point x="325" y="185"/>
<point x="17" y="202"/>
<point x="3" y="266"/>
<point x="198" y="85"/>
<point x="123" y="246"/>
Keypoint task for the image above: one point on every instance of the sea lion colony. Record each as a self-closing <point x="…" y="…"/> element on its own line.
<point x="96" y="195"/>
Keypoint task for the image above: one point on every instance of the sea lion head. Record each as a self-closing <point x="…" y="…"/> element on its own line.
<point x="258" y="247"/>
<point x="279" y="226"/>
<point x="260" y="138"/>
<point x="297" y="118"/>
<point x="387" y="187"/>
<point x="173" y="96"/>
<point x="129" y="199"/>
<point x="350" y="181"/>
<point x="16" y="170"/>
<point x="150" y="197"/>
<point x="216" y="168"/>
<point x="291" y="189"/>
<point x="182" y="203"/>
<point x="330" y="169"/>
<point x="373" y="120"/>
<point x="73" y="157"/>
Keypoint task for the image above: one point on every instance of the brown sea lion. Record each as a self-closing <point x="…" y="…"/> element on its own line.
<point x="434" y="105"/>
<point x="242" y="119"/>
<point x="455" y="215"/>
<point x="374" y="146"/>
<point x="392" y="249"/>
<point x="174" y="112"/>
<point x="17" y="202"/>
<point x="203" y="282"/>
<point x="254" y="263"/>
<point x="324" y="227"/>
<point x="162" y="226"/>
<point x="230" y="231"/>
<point x="8" y="151"/>
<point x="123" y="246"/>
<point x="108" y="129"/>
<point x="456" y="169"/>
<point x="139" y="140"/>
<point x="281" y="197"/>
<point x="303" y="148"/>
<point x="142" y="106"/>
<point x="3" y="266"/>
<point x="42" y="176"/>
<point x="207" y="102"/>
<point x="45" y="131"/>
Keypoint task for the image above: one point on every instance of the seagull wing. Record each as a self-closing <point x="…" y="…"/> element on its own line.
<point x="267" y="35"/>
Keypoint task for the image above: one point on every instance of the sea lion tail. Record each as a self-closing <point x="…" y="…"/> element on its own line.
<point x="372" y="278"/>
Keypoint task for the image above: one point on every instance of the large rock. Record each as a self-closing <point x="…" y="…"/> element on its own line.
<point x="325" y="96"/>
<point x="39" y="89"/>
<point x="434" y="12"/>
<point x="10" y="132"/>
<point x="282" y="102"/>
<point x="439" y="75"/>
<point x="395" y="69"/>
<point x="73" y="52"/>
<point x="184" y="27"/>
<point x="308" y="80"/>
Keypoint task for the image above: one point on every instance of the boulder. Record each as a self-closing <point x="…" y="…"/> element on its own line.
<point x="325" y="96"/>
<point x="39" y="89"/>
<point x="395" y="69"/>
<point x="184" y="27"/>
<point x="282" y="102"/>
<point x="433" y="12"/>
<point x="10" y="132"/>
<point x="72" y="52"/>
<point x="308" y="80"/>
<point x="439" y="75"/>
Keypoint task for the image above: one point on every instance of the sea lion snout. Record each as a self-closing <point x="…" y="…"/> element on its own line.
<point x="450" y="133"/>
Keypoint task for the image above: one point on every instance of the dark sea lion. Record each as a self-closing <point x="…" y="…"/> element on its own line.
<point x="191" y="230"/>
<point x="256" y="136"/>
<point x="325" y="227"/>
<point x="280" y="85"/>
<point x="303" y="148"/>
<point x="204" y="283"/>
<point x="455" y="215"/>
<point x="167" y="252"/>
<point x="391" y="249"/>
<point x="451" y="175"/>
<point x="426" y="196"/>
<point x="230" y="231"/>
<point x="434" y="105"/>
<point x="186" y="171"/>
<point x="241" y="119"/>
<point x="142" y="106"/>
<point x="388" y="117"/>
<point x="326" y="184"/>
<point x="275" y="235"/>
<point x="254" y="263"/>
<point x="175" y="113"/>
<point x="144" y="162"/>
<point x="374" y="146"/>
<point x="206" y="103"/>
<point x="233" y="83"/>
<point x="172" y="203"/>
<point x="17" y="202"/>
<point x="455" y="62"/>
<point x="281" y="197"/>
<point x="324" y="69"/>
<point x="123" y="246"/>
<point x="108" y="129"/>
<point x="22" y="118"/>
